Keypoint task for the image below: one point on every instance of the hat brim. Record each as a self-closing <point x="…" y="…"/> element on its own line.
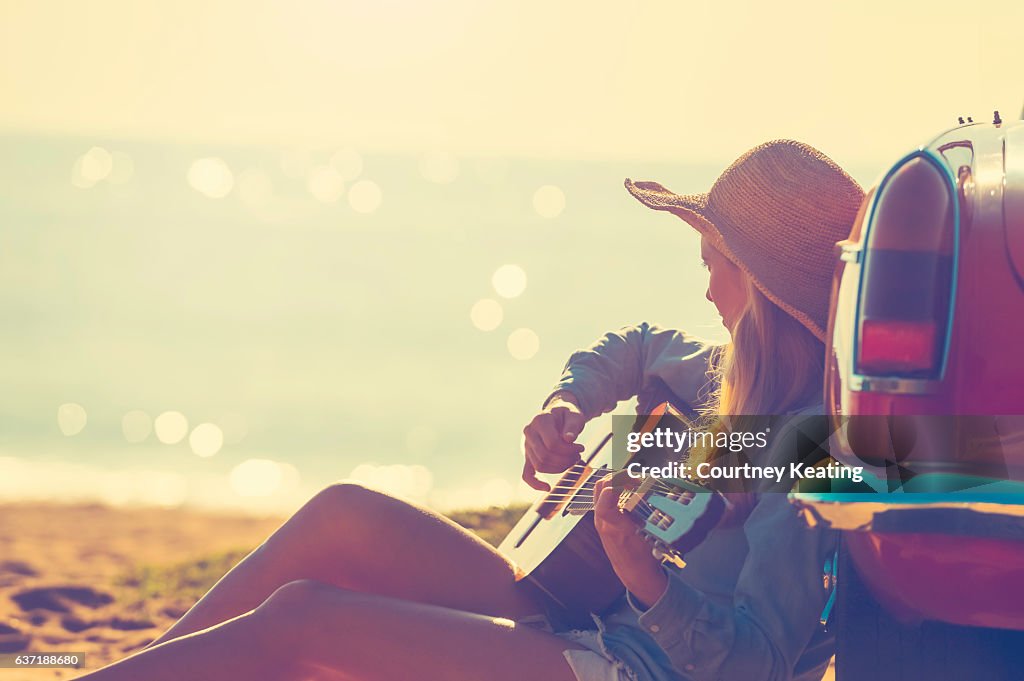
<point x="695" y="211"/>
<point x="693" y="208"/>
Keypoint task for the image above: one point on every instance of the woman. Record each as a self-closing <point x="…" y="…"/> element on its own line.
<point x="358" y="585"/>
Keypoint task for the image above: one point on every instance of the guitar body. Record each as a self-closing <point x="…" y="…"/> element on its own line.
<point x="558" y="550"/>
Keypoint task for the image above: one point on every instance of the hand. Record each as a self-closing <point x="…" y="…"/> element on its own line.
<point x="550" y="440"/>
<point x="629" y="553"/>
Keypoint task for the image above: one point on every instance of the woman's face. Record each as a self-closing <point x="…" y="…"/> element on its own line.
<point x="727" y="287"/>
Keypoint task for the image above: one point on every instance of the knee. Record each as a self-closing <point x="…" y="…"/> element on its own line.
<point x="344" y="498"/>
<point x="281" y="618"/>
<point x="295" y="597"/>
<point x="328" y="520"/>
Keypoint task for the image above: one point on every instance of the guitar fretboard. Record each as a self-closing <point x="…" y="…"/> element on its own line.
<point x="582" y="501"/>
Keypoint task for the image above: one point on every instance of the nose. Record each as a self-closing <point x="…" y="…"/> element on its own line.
<point x="707" y="294"/>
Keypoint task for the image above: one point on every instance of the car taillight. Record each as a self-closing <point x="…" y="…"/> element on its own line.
<point x="897" y="346"/>
<point x="907" y="282"/>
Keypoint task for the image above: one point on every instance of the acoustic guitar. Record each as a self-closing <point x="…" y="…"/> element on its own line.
<point x="556" y="548"/>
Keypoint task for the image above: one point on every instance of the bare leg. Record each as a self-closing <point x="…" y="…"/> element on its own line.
<point x="308" y="630"/>
<point x="358" y="539"/>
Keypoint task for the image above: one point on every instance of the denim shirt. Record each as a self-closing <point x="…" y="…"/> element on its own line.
<point x="747" y="604"/>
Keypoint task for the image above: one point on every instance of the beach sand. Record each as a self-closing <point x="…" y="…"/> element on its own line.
<point x="80" y="578"/>
<point x="105" y="582"/>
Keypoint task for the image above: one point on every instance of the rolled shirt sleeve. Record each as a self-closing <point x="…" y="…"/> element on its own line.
<point x="775" y="610"/>
<point x="624" y="363"/>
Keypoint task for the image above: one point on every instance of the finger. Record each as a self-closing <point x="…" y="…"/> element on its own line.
<point x="531" y="479"/>
<point x="605" y="508"/>
<point x="572" y="425"/>
<point x="606" y="500"/>
<point x="537" y="453"/>
<point x="535" y="429"/>
<point x="546" y="461"/>
<point x="550" y="433"/>
<point x="529" y="465"/>
<point x="535" y="450"/>
<point x="605" y="496"/>
<point x="607" y="514"/>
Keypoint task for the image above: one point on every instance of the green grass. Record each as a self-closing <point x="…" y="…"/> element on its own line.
<point x="491" y="524"/>
<point x="183" y="583"/>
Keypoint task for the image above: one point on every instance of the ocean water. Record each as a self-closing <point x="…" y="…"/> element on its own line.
<point x="317" y="341"/>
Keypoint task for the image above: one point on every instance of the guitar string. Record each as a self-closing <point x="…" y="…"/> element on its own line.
<point x="589" y="480"/>
<point x="583" y="494"/>
<point x="576" y="488"/>
<point x="575" y="496"/>
<point x="593" y="472"/>
<point x="590" y="484"/>
<point x="648" y="510"/>
<point x="570" y="496"/>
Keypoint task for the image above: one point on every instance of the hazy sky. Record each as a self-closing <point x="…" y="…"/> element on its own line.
<point x="142" y="294"/>
<point x="670" y="80"/>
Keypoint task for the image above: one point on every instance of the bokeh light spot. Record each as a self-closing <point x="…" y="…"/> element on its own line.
<point x="97" y="164"/>
<point x="325" y="184"/>
<point x="171" y="427"/>
<point x="364" y="196"/>
<point x="523" y="343"/>
<point x="256" y="478"/>
<point x="164" y="488"/>
<point x="486" y="494"/>
<point x="549" y="201"/>
<point x="211" y="177"/>
<point x="136" y="426"/>
<point x="206" y="439"/>
<point x="77" y="178"/>
<point x="509" y="281"/>
<point x="486" y="314"/>
<point x="71" y="418"/>
<point x="409" y="482"/>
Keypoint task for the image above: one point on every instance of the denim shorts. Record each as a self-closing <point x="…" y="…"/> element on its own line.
<point x="595" y="663"/>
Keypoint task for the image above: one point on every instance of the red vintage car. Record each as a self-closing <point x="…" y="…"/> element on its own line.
<point x="925" y="388"/>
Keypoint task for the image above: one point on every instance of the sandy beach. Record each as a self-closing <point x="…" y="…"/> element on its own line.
<point x="104" y="581"/>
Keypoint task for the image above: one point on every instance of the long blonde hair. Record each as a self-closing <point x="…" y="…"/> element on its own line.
<point x="772" y="366"/>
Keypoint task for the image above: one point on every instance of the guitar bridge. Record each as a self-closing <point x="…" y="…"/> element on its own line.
<point x="629" y="499"/>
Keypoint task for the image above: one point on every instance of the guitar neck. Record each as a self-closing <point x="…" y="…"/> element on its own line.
<point x="574" y="492"/>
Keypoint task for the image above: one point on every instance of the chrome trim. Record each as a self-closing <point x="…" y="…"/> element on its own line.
<point x="1013" y="195"/>
<point x="892" y="384"/>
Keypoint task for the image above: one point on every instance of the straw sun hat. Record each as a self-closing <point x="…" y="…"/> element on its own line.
<point x="777" y="213"/>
